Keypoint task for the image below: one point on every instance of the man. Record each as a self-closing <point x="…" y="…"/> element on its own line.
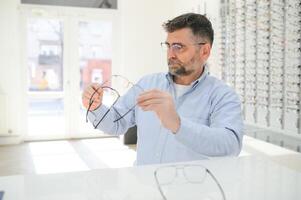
<point x="182" y="115"/>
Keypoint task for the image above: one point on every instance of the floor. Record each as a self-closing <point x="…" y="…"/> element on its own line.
<point x="86" y="154"/>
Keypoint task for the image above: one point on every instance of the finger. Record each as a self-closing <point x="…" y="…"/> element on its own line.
<point x="93" y="90"/>
<point x="89" y="92"/>
<point x="149" y="95"/>
<point x="149" y="108"/>
<point x="98" y="90"/>
<point x="86" y="103"/>
<point x="93" y="87"/>
<point x="95" y="104"/>
<point x="92" y="105"/>
<point x="143" y="100"/>
<point x="152" y="91"/>
<point x="97" y="101"/>
<point x="97" y="87"/>
<point x="94" y="101"/>
<point x="91" y="97"/>
<point x="150" y="102"/>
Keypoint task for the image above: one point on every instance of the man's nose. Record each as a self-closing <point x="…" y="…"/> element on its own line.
<point x="170" y="54"/>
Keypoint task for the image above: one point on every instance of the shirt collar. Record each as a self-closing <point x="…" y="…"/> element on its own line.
<point x="194" y="83"/>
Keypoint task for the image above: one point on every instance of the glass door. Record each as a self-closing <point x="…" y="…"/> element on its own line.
<point x="95" y="60"/>
<point x="45" y="74"/>
<point x="64" y="51"/>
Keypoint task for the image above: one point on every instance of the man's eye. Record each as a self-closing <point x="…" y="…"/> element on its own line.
<point x="177" y="46"/>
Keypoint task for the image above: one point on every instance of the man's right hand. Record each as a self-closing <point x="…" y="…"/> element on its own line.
<point x="97" y="97"/>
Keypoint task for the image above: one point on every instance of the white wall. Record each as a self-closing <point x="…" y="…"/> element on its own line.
<point x="142" y="35"/>
<point x="10" y="76"/>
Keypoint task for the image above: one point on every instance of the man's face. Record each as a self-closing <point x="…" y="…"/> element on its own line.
<point x="184" y="57"/>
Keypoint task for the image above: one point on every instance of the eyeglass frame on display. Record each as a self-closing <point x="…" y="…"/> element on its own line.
<point x="177" y="167"/>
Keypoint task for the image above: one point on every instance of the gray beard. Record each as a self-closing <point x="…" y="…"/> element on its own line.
<point x="180" y="71"/>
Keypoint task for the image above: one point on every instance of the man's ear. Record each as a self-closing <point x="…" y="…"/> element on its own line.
<point x="205" y="51"/>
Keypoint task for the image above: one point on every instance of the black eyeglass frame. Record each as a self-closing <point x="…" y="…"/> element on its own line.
<point x="112" y="106"/>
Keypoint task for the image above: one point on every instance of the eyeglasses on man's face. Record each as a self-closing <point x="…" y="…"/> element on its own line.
<point x="123" y="84"/>
<point x="178" y="48"/>
<point x="193" y="176"/>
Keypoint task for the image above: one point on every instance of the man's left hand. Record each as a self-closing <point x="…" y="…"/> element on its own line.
<point x="163" y="105"/>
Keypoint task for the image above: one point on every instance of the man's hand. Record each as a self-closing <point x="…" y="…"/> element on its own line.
<point x="163" y="105"/>
<point x="97" y="97"/>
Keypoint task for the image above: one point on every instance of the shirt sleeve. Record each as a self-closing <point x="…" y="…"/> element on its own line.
<point x="223" y="136"/>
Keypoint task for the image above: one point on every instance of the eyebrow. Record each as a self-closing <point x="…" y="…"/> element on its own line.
<point x="178" y="43"/>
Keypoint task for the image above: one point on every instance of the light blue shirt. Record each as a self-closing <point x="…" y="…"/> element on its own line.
<point x="210" y="115"/>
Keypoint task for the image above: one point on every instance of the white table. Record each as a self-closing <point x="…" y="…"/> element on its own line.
<point x="243" y="178"/>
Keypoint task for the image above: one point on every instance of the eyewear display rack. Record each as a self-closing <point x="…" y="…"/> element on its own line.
<point x="261" y="60"/>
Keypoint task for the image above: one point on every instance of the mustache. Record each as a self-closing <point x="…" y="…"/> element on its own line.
<point x="173" y="62"/>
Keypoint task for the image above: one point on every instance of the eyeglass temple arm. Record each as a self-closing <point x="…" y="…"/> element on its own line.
<point x="95" y="91"/>
<point x="218" y="184"/>
<point x="118" y="95"/>
<point x="158" y="186"/>
<point x="134" y="85"/>
<point x="122" y="116"/>
<point x="91" y="102"/>
<point x="209" y="172"/>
